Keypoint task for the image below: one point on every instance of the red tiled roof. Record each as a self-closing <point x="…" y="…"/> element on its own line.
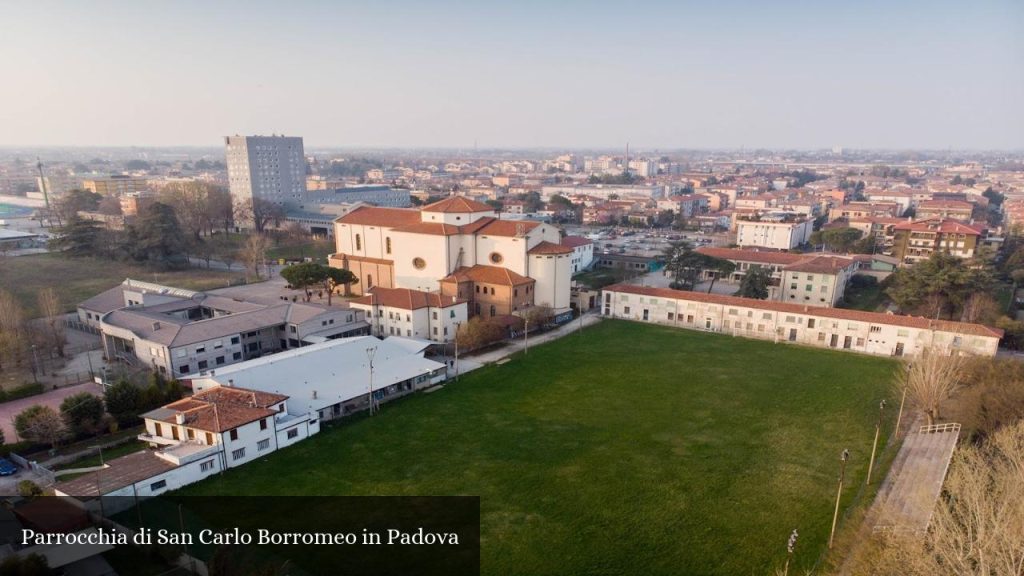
<point x="838" y="313"/>
<point x="219" y="409"/>
<point x="574" y="241"/>
<point x="507" y="227"/>
<point x="434" y="228"/>
<point x="550" y="248"/>
<point x="457" y="204"/>
<point x="946" y="204"/>
<point x="406" y="299"/>
<point x="943" y="225"/>
<point x="487" y="275"/>
<point x="774" y="258"/>
<point x="376" y="216"/>
<point x="820" y="264"/>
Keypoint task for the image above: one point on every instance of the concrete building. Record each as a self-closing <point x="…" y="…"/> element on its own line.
<point x="367" y="193"/>
<point x="412" y="313"/>
<point x="334" y="379"/>
<point x="114" y="185"/>
<point x="271" y="168"/>
<point x="917" y="240"/>
<point x="451" y="245"/>
<point x="837" y="328"/>
<point x="582" y="252"/>
<point x="176" y="332"/>
<point x="949" y="209"/>
<point x="776" y="231"/>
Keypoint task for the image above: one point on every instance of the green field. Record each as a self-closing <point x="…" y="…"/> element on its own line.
<point x="629" y="449"/>
<point x="77" y="279"/>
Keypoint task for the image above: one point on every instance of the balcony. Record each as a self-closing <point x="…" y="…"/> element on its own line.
<point x="160" y="440"/>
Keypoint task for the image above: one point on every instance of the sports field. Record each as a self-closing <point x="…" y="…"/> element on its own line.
<point x="627" y="449"/>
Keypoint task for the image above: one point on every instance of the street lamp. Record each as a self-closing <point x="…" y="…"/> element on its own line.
<point x="457" y="326"/>
<point x="526" y="336"/>
<point x="35" y="365"/>
<point x="874" y="445"/>
<point x="842" y="474"/>
<point x="903" y="399"/>
<point x="369" y="354"/>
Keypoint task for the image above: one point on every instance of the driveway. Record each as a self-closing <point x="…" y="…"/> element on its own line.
<point x="8" y="410"/>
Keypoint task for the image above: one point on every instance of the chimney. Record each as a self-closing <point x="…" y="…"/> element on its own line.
<point x="314" y="394"/>
<point x="231" y="382"/>
<point x="179" y="418"/>
<point x="156" y="326"/>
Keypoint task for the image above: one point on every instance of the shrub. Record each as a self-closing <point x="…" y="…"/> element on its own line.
<point x="29" y="489"/>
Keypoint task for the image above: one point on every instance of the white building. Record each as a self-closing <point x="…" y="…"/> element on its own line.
<point x="412" y="313"/>
<point x="582" y="252"/>
<point x="782" y="233"/>
<point x="334" y="379"/>
<point x="854" y="330"/>
<point x="271" y="168"/>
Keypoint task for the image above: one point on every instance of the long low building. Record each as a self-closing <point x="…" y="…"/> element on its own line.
<point x="854" y="330"/>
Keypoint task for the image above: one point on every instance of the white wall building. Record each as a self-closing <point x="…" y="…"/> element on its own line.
<point x="780" y="234"/>
<point x="582" y="252"/>
<point x="854" y="330"/>
<point x="271" y="168"/>
<point x="411" y="313"/>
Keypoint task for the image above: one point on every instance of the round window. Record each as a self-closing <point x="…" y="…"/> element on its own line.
<point x="419" y="263"/>
<point x="496" y="258"/>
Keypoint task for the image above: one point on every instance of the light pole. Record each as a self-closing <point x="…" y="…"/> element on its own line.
<point x="874" y="445"/>
<point x="790" y="545"/>
<point x="903" y="399"/>
<point x="842" y="473"/>
<point x="526" y="336"/>
<point x="35" y="365"/>
<point x="369" y="354"/>
<point x="457" y="326"/>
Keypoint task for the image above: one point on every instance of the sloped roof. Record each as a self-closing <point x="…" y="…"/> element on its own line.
<point x="943" y="225"/>
<point x="758" y="256"/>
<point x="550" y="248"/>
<point x="457" y="204"/>
<point x="820" y="264"/>
<point x="377" y="216"/>
<point x="406" y="299"/>
<point x="219" y="409"/>
<point x="838" y="313"/>
<point x="574" y="241"/>
<point x="487" y="275"/>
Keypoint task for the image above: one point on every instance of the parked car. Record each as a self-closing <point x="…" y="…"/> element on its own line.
<point x="7" y="467"/>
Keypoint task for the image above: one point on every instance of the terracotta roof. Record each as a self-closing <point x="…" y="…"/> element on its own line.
<point x="376" y="216"/>
<point x="406" y="299"/>
<point x="838" y="313"/>
<point x="434" y="228"/>
<point x="773" y="258"/>
<point x="574" y="241"/>
<point x="550" y="248"/>
<point x="507" y="227"/>
<point x="944" y="225"/>
<point x="487" y="275"/>
<point x="946" y="204"/>
<point x="219" y="409"/>
<point x="457" y="204"/>
<point x="820" y="264"/>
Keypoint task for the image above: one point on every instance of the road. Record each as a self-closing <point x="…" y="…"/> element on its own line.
<point x="8" y="410"/>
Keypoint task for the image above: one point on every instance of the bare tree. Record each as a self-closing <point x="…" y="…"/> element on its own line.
<point x="255" y="252"/>
<point x="12" y="325"/>
<point x="930" y="378"/>
<point x="191" y="202"/>
<point x="53" y="312"/>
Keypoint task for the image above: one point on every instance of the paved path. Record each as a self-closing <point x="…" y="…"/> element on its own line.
<point x="8" y="410"/>
<point x="468" y="364"/>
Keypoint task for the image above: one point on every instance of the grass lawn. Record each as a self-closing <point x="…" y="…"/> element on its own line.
<point x="108" y="455"/>
<point x="79" y="279"/>
<point x="319" y="250"/>
<point x="601" y="277"/>
<point x="629" y="449"/>
<point x="868" y="298"/>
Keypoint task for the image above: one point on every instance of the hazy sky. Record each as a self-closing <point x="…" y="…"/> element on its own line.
<point x="815" y="73"/>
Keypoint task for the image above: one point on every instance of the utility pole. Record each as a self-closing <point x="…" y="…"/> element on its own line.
<point x="874" y="445"/>
<point x="369" y="354"/>
<point x="526" y="337"/>
<point x="903" y="400"/>
<point x="43" y="186"/>
<point x="457" y="326"/>
<point x="842" y="474"/>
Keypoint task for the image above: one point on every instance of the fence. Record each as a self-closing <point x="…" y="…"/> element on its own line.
<point x="75" y="324"/>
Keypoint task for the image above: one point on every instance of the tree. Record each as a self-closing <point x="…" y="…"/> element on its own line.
<point x="839" y="240"/>
<point x="28" y="489"/>
<point x="720" y="268"/>
<point x="193" y="204"/>
<point x="123" y="402"/>
<point x="53" y="312"/>
<point x="78" y="237"/>
<point x="75" y="201"/>
<point x="677" y="260"/>
<point x="755" y="283"/>
<point x="255" y="252"/>
<point x="941" y="282"/>
<point x="259" y="213"/>
<point x="226" y="253"/>
<point x="477" y="333"/>
<point x="930" y="379"/>
<point x="82" y="413"/>
<point x="40" y="424"/>
<point x="12" y="329"/>
<point x="158" y="237"/>
<point x="222" y="209"/>
<point x="309" y="275"/>
<point x="538" y="315"/>
<point x="31" y="565"/>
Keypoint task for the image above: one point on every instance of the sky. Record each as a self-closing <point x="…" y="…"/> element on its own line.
<point x="892" y="74"/>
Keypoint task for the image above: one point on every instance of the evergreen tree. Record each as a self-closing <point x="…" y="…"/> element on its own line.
<point x="158" y="238"/>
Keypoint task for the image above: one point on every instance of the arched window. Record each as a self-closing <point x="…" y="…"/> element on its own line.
<point x="359" y="242"/>
<point x="387" y="244"/>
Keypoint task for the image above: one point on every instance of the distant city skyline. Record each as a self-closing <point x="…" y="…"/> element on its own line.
<point x="660" y="75"/>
